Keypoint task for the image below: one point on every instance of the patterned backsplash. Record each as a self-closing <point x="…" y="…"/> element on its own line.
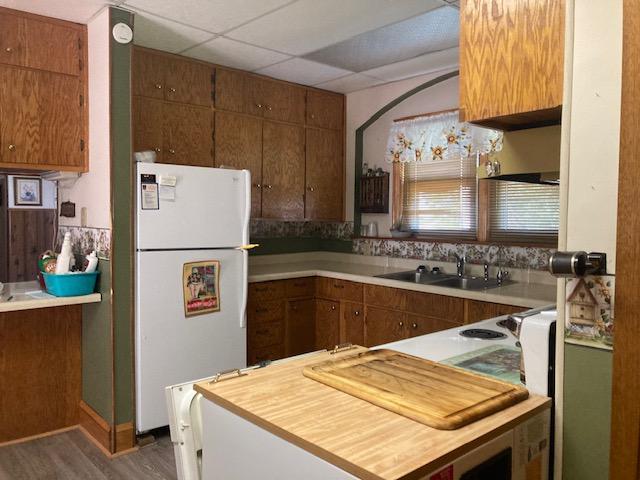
<point x="85" y="239"/>
<point x="265" y="228"/>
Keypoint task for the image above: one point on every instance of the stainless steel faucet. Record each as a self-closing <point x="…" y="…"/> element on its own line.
<point x="461" y="260"/>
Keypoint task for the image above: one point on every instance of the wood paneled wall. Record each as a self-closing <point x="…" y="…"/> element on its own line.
<point x="30" y="233"/>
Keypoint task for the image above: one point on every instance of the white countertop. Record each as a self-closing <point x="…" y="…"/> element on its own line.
<point x="522" y="294"/>
<point x="29" y="295"/>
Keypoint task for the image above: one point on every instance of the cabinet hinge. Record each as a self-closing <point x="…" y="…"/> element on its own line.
<point x="81" y="100"/>
<point x="80" y="64"/>
<point x="213" y="87"/>
<point x="81" y="145"/>
<point x="79" y="44"/>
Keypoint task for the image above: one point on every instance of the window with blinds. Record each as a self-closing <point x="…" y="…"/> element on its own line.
<point x="523" y="212"/>
<point x="439" y="197"/>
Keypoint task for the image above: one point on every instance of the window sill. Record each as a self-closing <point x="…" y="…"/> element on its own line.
<point x="457" y="240"/>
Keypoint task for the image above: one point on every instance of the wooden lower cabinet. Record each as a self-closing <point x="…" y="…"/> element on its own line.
<point x="295" y="316"/>
<point x="327" y="323"/>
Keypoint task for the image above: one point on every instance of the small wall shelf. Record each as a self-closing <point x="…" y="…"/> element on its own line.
<point x="374" y="194"/>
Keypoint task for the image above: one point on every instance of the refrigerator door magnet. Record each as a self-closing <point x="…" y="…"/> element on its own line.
<point x="201" y="287"/>
<point x="149" y="192"/>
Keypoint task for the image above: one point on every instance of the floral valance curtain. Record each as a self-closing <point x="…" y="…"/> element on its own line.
<point x="439" y="137"/>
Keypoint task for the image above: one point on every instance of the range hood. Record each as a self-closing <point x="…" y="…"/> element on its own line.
<point x="531" y="156"/>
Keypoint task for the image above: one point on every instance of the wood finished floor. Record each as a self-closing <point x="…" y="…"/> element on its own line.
<point x="70" y="456"/>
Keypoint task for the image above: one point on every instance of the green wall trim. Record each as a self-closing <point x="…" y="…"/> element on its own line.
<point x="97" y="355"/>
<point x="360" y="137"/>
<point x="122" y="215"/>
<point x="586" y="413"/>
<point x="271" y="246"/>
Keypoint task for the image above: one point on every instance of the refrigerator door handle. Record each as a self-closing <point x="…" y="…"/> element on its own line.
<point x="245" y="289"/>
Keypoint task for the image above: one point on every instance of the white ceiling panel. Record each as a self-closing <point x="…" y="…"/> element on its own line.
<point x="156" y="32"/>
<point x="214" y="16"/>
<point x="303" y="71"/>
<point x="430" y="62"/>
<point x="228" y="52"/>
<point x="308" y="25"/>
<point x="350" y="83"/>
<point x="79" y="11"/>
<point x="430" y="32"/>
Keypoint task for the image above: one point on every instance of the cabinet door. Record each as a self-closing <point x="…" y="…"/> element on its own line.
<point x="148" y="74"/>
<point x="301" y="327"/>
<point x="324" y="175"/>
<point x="385" y="296"/>
<point x="41" y="119"/>
<point x="437" y="306"/>
<point x="508" y="309"/>
<point x="327" y="324"/>
<point x="188" y="135"/>
<point x="325" y="110"/>
<point x="282" y="171"/>
<point x="383" y="326"/>
<point x="422" y="324"/>
<point x="337" y="289"/>
<point x="284" y="102"/>
<point x="188" y="82"/>
<point x="13" y="45"/>
<point x="239" y="145"/>
<point x="147" y="126"/>
<point x="507" y="67"/>
<point x="229" y="90"/>
<point x="476" y="311"/>
<point x="300" y="287"/>
<point x="352" y="323"/>
<point x="52" y="47"/>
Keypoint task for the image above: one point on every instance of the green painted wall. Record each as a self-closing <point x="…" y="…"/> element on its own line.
<point x="96" y="348"/>
<point x="122" y="208"/>
<point x="269" y="246"/>
<point x="587" y="413"/>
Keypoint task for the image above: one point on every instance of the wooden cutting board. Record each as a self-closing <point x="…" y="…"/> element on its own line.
<point x="436" y="395"/>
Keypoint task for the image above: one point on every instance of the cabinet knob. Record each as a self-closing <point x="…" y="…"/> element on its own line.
<point x="8" y="49"/>
<point x="313" y="116"/>
<point x="401" y="324"/>
<point x="294" y="307"/>
<point x="12" y="147"/>
<point x="259" y="105"/>
<point x="333" y="307"/>
<point x="158" y="149"/>
<point x="172" y="151"/>
<point x="356" y="313"/>
<point x="269" y="186"/>
<point x="172" y="90"/>
<point x="258" y="185"/>
<point x="414" y="325"/>
<point x="269" y="107"/>
<point x="311" y="189"/>
<point x="158" y="86"/>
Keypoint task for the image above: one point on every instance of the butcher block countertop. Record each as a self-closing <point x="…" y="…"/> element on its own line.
<point x="28" y="295"/>
<point x="358" y="437"/>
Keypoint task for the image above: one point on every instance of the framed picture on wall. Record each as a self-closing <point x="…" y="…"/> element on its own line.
<point x="27" y="191"/>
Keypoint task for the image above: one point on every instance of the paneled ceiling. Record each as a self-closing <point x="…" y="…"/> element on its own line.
<point x="339" y="45"/>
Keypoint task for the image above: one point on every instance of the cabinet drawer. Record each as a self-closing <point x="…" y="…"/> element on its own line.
<point x="265" y="334"/>
<point x="263" y="291"/>
<point x="422" y="325"/>
<point x="300" y="287"/>
<point x="267" y="311"/>
<point x="437" y="306"/>
<point x="272" y="352"/>
<point x="336" y="289"/>
<point x="385" y="296"/>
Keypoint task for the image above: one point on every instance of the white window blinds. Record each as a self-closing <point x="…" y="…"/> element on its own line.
<point x="439" y="197"/>
<point x="523" y="212"/>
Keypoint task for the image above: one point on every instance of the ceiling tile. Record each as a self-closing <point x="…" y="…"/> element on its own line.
<point x="155" y="32"/>
<point x="430" y="62"/>
<point x="312" y="24"/>
<point x="432" y="31"/>
<point x="228" y="52"/>
<point x="212" y="15"/>
<point x="303" y="71"/>
<point x="79" y="11"/>
<point x="350" y="83"/>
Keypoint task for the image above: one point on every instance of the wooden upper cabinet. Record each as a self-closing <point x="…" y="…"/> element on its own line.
<point x="283" y="102"/>
<point x="188" y="135"/>
<point x="156" y="75"/>
<point x="325" y="109"/>
<point x="283" y="171"/>
<point x="324" y="175"/>
<point x="511" y="62"/>
<point x="147" y="125"/>
<point x="44" y="45"/>
<point x="238" y="144"/>
<point x="229" y="90"/>
<point x="41" y="119"/>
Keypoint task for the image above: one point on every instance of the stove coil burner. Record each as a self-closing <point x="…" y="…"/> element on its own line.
<point x="482" y="333"/>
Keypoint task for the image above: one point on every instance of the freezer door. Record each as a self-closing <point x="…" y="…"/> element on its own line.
<point x="172" y="348"/>
<point x="207" y="207"/>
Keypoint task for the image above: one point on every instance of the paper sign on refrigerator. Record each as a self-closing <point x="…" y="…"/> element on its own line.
<point x="201" y="287"/>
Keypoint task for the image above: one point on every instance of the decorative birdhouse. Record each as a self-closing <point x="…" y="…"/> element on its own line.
<point x="583" y="306"/>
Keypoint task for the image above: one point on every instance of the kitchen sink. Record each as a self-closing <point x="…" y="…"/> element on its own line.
<point x="445" y="280"/>
<point x="414" y="277"/>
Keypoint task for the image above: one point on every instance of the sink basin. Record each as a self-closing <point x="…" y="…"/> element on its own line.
<point x="413" y="277"/>
<point x="470" y="283"/>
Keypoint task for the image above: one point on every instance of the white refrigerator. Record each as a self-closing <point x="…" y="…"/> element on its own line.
<point x="191" y="279"/>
